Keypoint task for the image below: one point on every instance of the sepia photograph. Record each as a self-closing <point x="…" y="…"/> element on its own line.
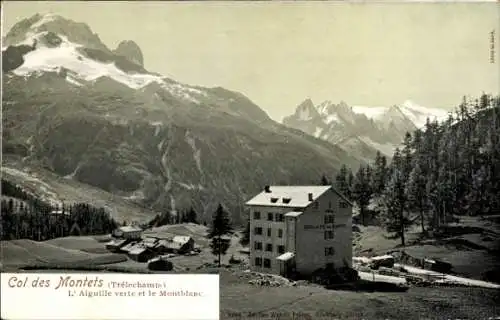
<point x="258" y="160"/>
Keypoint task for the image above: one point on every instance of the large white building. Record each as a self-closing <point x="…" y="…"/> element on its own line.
<point x="299" y="228"/>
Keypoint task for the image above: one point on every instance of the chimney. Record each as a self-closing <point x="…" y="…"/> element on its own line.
<point x="267" y="189"/>
<point x="310" y="197"/>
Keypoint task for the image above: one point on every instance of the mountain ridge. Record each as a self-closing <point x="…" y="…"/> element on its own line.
<point x="361" y="127"/>
<point x="96" y="117"/>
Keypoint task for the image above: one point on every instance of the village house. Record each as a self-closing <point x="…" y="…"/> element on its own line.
<point x="299" y="229"/>
<point x="128" y="232"/>
<point x="176" y="244"/>
<point x="116" y="244"/>
<point x="141" y="253"/>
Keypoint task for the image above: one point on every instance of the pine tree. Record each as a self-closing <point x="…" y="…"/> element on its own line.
<point x="192" y="216"/>
<point x="325" y="181"/>
<point x="478" y="195"/>
<point x="379" y="176"/>
<point x="350" y="184"/>
<point x="361" y="192"/>
<point x="341" y="182"/>
<point x="406" y="156"/>
<point x="396" y="203"/>
<point x="221" y="226"/>
<point x="416" y="193"/>
<point x="245" y="239"/>
<point x="184" y="217"/>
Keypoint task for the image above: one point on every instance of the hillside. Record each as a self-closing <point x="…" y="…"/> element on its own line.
<point x="54" y="189"/>
<point x="87" y="113"/>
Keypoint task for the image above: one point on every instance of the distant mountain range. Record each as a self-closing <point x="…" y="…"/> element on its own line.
<point x="361" y="130"/>
<point x="97" y="116"/>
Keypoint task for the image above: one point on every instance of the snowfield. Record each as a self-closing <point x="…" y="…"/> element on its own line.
<point x="83" y="69"/>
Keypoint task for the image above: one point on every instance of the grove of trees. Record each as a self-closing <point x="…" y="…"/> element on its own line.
<point x="444" y="169"/>
<point x="24" y="216"/>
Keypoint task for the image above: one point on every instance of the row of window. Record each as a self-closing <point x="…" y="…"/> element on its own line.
<point x="258" y="231"/>
<point x="269" y="247"/>
<point x="266" y="263"/>
<point x="328" y="235"/>
<point x="278" y="217"/>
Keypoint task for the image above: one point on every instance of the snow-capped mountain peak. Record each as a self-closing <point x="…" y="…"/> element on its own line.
<point x="381" y="128"/>
<point x="27" y="30"/>
<point x="418" y="114"/>
<point x="51" y="43"/>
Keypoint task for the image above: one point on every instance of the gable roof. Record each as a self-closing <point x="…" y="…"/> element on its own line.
<point x="129" y="229"/>
<point x="298" y="195"/>
<point x="181" y="239"/>
<point x="295" y="196"/>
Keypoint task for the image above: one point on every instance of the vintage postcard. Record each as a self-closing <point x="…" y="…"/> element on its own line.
<point x="250" y="160"/>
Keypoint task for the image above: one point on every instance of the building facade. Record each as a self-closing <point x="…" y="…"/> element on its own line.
<point x="128" y="232"/>
<point x="299" y="229"/>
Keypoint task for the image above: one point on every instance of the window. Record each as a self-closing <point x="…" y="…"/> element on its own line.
<point x="280" y="233"/>
<point x="257" y="245"/>
<point x="258" y="262"/>
<point x="256" y="215"/>
<point x="329" y="219"/>
<point x="280" y="217"/>
<point x="329" y="204"/>
<point x="269" y="216"/>
<point x="328" y="234"/>
<point x="274" y="200"/>
<point x="269" y="232"/>
<point x="343" y="204"/>
<point x="269" y="247"/>
<point x="287" y="200"/>
<point x="329" y="251"/>
<point x="315" y="205"/>
<point x="281" y="249"/>
<point x="257" y="230"/>
<point x="267" y="263"/>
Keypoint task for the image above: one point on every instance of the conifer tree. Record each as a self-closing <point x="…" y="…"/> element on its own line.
<point x="396" y="204"/>
<point x="221" y="226"/>
<point x="341" y="181"/>
<point x="361" y="192"/>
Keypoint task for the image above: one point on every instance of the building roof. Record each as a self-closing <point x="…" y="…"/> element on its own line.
<point x="293" y="214"/>
<point x="149" y="240"/>
<point x="286" y="256"/>
<point x="137" y="250"/>
<point x="170" y="244"/>
<point x="291" y="196"/>
<point x="129" y="229"/>
<point x="181" y="239"/>
<point x="116" y="242"/>
<point x="129" y="246"/>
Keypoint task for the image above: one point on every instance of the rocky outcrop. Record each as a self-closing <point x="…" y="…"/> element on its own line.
<point x="130" y="50"/>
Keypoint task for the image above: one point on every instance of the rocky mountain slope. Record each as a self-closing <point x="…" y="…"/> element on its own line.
<point x="361" y="130"/>
<point x="97" y="116"/>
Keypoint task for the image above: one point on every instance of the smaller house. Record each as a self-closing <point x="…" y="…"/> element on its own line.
<point x="128" y="232"/>
<point x="126" y="248"/>
<point x="140" y="253"/>
<point x="116" y="244"/>
<point x="177" y="244"/>
<point x="185" y="243"/>
<point x="150" y="243"/>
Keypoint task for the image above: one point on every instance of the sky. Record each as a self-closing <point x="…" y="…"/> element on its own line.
<point x="280" y="53"/>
